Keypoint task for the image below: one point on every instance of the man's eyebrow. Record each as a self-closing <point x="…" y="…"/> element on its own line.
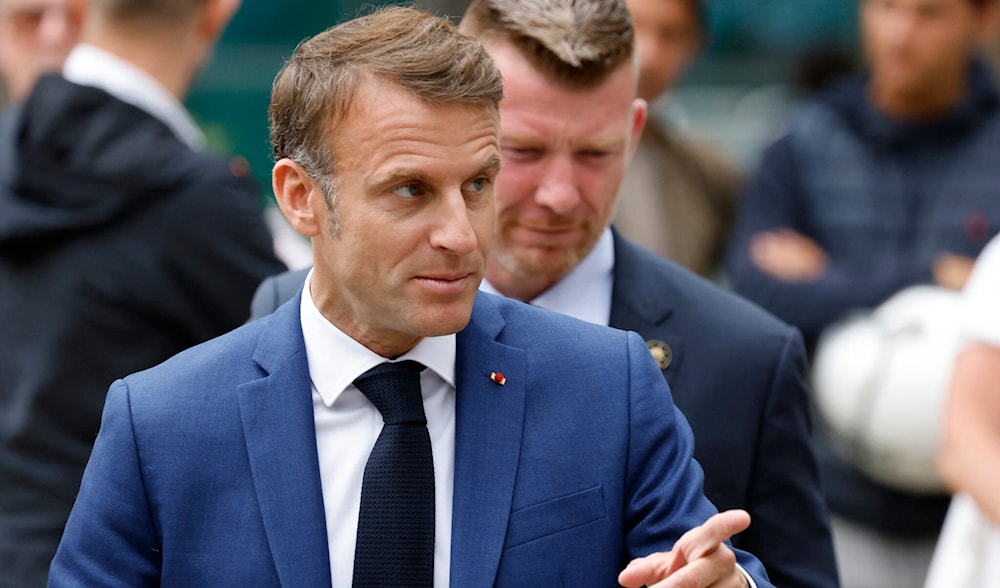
<point x="493" y="164"/>
<point x="398" y="176"/>
<point x="406" y="175"/>
<point x="600" y="144"/>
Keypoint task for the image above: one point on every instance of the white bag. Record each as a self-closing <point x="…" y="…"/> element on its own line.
<point x="968" y="551"/>
<point x="880" y="379"/>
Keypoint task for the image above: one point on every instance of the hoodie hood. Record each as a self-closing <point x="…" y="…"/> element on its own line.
<point x="849" y="99"/>
<point x="75" y="159"/>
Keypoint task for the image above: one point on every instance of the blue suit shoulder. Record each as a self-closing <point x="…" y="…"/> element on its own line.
<point x="532" y="327"/>
<point x="219" y="364"/>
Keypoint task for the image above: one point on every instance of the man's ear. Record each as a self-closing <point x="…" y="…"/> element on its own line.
<point x="639" y="114"/>
<point x="215" y="17"/>
<point x="298" y="196"/>
<point x="77" y="11"/>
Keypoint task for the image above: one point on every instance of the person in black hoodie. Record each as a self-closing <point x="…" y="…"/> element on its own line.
<point x="884" y="181"/>
<point x="121" y="244"/>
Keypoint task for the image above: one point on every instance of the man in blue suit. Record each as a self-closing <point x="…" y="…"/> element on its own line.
<point x="558" y="457"/>
<point x="570" y="119"/>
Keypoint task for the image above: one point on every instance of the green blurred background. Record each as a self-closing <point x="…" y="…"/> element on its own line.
<point x="754" y="44"/>
<point x="230" y="98"/>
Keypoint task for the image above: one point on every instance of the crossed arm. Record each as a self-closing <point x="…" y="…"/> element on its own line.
<point x="774" y="259"/>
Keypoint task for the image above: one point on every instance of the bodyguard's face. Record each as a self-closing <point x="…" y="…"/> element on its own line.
<point x="912" y="45"/>
<point x="415" y="205"/>
<point x="565" y="152"/>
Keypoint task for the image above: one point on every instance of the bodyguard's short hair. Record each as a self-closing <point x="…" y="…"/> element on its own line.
<point x="575" y="42"/>
<point x="420" y="52"/>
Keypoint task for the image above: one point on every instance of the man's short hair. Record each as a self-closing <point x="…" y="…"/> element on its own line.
<point x="575" y="42"/>
<point x="420" y="52"/>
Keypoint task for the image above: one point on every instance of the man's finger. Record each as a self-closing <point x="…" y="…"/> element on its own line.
<point x="705" y="539"/>
<point x="649" y="569"/>
<point x="717" y="572"/>
<point x="699" y="542"/>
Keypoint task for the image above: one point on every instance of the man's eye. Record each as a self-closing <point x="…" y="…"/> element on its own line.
<point x="476" y="186"/>
<point x="409" y="191"/>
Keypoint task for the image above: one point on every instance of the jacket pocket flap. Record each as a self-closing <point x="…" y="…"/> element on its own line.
<point x="554" y="516"/>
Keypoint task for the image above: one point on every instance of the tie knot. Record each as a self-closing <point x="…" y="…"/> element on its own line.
<point x="394" y="389"/>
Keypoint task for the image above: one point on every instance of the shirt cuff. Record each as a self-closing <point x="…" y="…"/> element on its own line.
<point x="748" y="577"/>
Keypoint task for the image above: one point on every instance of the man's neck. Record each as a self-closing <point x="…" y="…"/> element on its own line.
<point x="169" y="63"/>
<point x="931" y="104"/>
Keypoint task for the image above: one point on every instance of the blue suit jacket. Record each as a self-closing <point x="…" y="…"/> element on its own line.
<point x="205" y="472"/>
<point x="739" y="376"/>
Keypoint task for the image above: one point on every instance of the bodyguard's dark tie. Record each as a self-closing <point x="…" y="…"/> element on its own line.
<point x="395" y="545"/>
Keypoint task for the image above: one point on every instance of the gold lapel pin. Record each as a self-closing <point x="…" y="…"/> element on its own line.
<point x="661" y="353"/>
<point x="498" y="378"/>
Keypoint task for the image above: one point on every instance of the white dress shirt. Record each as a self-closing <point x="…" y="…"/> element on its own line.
<point x="88" y="65"/>
<point x="347" y="425"/>
<point x="585" y="293"/>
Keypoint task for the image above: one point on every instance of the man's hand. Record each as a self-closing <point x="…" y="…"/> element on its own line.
<point x="699" y="558"/>
<point x="952" y="271"/>
<point x="788" y="255"/>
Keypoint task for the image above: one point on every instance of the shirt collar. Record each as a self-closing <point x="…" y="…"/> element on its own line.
<point x="585" y="293"/>
<point x="88" y="65"/>
<point x="336" y="360"/>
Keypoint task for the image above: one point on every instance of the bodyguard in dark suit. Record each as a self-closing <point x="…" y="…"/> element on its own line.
<point x="121" y="243"/>
<point x="737" y="373"/>
<point x="518" y="447"/>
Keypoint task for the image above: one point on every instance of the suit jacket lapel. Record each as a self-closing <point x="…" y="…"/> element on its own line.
<point x="489" y="421"/>
<point x="641" y="304"/>
<point x="279" y="427"/>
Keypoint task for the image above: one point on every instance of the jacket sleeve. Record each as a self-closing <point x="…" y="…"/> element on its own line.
<point x="110" y="539"/>
<point x="664" y="493"/>
<point x="786" y="481"/>
<point x="776" y="199"/>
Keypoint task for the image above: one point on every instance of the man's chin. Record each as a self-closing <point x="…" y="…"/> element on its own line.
<point x="537" y="263"/>
<point x="447" y="318"/>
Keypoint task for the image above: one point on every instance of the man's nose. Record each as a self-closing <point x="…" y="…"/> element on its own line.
<point x="55" y="27"/>
<point x="455" y="231"/>
<point x="558" y="189"/>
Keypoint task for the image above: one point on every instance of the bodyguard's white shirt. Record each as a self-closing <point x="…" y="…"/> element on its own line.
<point x="88" y="65"/>
<point x="347" y="425"/>
<point x="585" y="293"/>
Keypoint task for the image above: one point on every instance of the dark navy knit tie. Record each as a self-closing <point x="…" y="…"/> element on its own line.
<point x="395" y="545"/>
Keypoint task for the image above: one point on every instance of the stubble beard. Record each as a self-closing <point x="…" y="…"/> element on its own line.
<point x="535" y="264"/>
